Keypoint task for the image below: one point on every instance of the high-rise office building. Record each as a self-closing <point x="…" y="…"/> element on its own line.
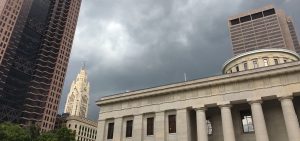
<point x="78" y="97"/>
<point x="265" y="27"/>
<point x="35" y="43"/>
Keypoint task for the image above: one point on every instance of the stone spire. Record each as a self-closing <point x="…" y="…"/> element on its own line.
<point x="78" y="97"/>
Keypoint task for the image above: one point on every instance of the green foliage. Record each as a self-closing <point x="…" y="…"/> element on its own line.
<point x="13" y="132"/>
<point x="65" y="134"/>
<point x="49" y="136"/>
<point x="34" y="132"/>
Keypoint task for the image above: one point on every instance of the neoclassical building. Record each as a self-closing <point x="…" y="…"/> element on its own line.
<point x="255" y="99"/>
<point x="85" y="129"/>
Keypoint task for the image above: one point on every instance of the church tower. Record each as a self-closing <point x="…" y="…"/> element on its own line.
<point x="78" y="97"/>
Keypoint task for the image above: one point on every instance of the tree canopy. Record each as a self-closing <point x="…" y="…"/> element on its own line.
<point x="13" y="132"/>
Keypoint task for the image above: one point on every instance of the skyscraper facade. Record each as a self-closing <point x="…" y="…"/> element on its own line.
<point x="35" y="43"/>
<point x="78" y="97"/>
<point x="265" y="27"/>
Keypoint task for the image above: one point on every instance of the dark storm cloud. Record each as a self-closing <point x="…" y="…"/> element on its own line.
<point x="135" y="44"/>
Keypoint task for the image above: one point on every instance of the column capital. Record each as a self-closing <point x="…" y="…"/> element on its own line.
<point x="224" y="104"/>
<point x="285" y="97"/>
<point x="199" y="107"/>
<point x="254" y="100"/>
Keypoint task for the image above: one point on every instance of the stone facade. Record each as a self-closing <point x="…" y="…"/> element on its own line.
<point x="78" y="97"/>
<point x="259" y="58"/>
<point x="86" y="130"/>
<point x="259" y="104"/>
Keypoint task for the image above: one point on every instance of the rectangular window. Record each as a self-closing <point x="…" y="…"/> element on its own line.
<point x="150" y="126"/>
<point x="247" y="123"/>
<point x="129" y="128"/>
<point x="257" y="15"/>
<point x="269" y="12"/>
<point x="255" y="65"/>
<point x="245" y="19"/>
<point x="266" y="62"/>
<point x="245" y="66"/>
<point x="110" y="132"/>
<point x="235" y="21"/>
<point x="276" y="61"/>
<point x="237" y="68"/>
<point x="172" y="123"/>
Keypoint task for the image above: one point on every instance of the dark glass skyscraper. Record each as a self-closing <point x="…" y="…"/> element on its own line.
<point x="35" y="43"/>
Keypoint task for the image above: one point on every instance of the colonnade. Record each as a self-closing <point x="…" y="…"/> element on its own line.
<point x="160" y="129"/>
<point x="261" y="133"/>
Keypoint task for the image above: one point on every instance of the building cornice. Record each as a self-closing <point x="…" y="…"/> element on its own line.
<point x="205" y="82"/>
<point x="84" y="120"/>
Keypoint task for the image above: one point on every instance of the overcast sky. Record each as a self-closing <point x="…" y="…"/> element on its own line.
<point x="136" y="44"/>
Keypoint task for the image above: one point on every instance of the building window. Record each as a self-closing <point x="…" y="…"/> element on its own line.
<point x="172" y="123"/>
<point x="276" y="61"/>
<point x="129" y="128"/>
<point x="266" y="62"/>
<point x="284" y="60"/>
<point x="209" y="127"/>
<point x="237" y="68"/>
<point x="69" y="125"/>
<point x="247" y="123"/>
<point x="245" y="66"/>
<point x="255" y="65"/>
<point x="110" y="132"/>
<point x="150" y="126"/>
<point x="75" y="125"/>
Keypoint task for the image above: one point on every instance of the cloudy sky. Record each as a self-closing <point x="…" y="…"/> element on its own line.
<point x="136" y="44"/>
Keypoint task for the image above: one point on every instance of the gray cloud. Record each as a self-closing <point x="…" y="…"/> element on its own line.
<point x="135" y="44"/>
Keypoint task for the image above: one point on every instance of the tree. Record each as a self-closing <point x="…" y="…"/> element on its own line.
<point x="65" y="134"/>
<point x="62" y="134"/>
<point x="48" y="136"/>
<point x="34" y="131"/>
<point x="13" y="132"/>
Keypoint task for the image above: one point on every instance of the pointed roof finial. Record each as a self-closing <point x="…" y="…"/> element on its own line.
<point x="83" y="65"/>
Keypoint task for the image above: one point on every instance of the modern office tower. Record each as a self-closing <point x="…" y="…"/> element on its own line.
<point x="293" y="34"/>
<point x="78" y="97"/>
<point x="35" y="43"/>
<point x="265" y="27"/>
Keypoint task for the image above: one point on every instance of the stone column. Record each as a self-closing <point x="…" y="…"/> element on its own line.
<point x="227" y="124"/>
<point x="138" y="128"/>
<point x="159" y="126"/>
<point x="290" y="118"/>
<point x="260" y="128"/>
<point x="201" y="124"/>
<point x="118" y="126"/>
<point x="182" y="125"/>
<point x="100" y="130"/>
